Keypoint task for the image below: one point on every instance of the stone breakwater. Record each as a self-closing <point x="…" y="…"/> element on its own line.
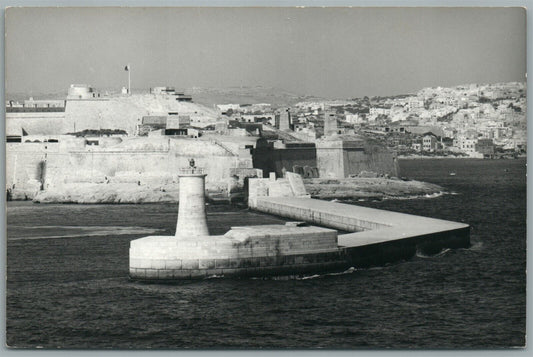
<point x="377" y="237"/>
<point x="243" y="251"/>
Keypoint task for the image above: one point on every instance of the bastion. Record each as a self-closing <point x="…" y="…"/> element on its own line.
<point x="375" y="237"/>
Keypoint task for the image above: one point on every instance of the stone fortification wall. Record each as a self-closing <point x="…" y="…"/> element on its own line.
<point x="333" y="158"/>
<point x="38" y="123"/>
<point x="345" y="158"/>
<point x="374" y="159"/>
<point x="330" y="159"/>
<point x="122" y="113"/>
<point x="132" y="167"/>
<point x="102" y="114"/>
<point x="26" y="166"/>
<point x="270" y="159"/>
<point x="126" y="112"/>
<point x="153" y="162"/>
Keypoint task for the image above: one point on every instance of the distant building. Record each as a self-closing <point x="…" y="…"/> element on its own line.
<point x="393" y="129"/>
<point x="429" y="142"/>
<point x="330" y="124"/>
<point x="81" y="91"/>
<point x="224" y="108"/>
<point x="31" y="103"/>
<point x="163" y="90"/>
<point x="178" y="121"/>
<point x="465" y="144"/>
<point x="304" y="133"/>
<point x="171" y="91"/>
<point x="155" y="120"/>
<point x="423" y="129"/>
<point x="379" y="111"/>
<point x="171" y="124"/>
<point x="485" y="147"/>
<point x="151" y="123"/>
<point x="417" y="146"/>
<point x="414" y="103"/>
<point x="354" y="118"/>
<point x="189" y="132"/>
<point x="283" y="119"/>
<point x="449" y="132"/>
<point x="257" y="118"/>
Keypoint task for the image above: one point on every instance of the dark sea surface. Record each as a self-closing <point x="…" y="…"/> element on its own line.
<point x="68" y="281"/>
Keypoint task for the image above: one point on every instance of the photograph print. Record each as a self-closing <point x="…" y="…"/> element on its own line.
<point x="265" y="178"/>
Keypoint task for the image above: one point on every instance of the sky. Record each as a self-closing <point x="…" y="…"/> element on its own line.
<point x="325" y="52"/>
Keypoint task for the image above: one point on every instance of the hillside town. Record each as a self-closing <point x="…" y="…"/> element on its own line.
<point x="477" y="121"/>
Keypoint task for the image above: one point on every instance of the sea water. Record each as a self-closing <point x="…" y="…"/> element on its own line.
<point x="68" y="286"/>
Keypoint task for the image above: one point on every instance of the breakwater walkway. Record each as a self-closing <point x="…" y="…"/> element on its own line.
<point x="376" y="236"/>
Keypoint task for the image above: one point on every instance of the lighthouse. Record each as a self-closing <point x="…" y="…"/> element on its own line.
<point x="192" y="220"/>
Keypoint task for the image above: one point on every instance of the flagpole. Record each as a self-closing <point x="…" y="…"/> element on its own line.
<point x="129" y="79"/>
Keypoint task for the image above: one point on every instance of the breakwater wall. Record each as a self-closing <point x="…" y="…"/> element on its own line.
<point x="243" y="251"/>
<point x="377" y="236"/>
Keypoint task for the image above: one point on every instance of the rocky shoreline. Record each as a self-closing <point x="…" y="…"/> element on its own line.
<point x="88" y="193"/>
<point x="355" y="188"/>
<point x="438" y="157"/>
<point x="349" y="188"/>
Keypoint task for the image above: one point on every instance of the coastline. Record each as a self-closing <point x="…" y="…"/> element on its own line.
<point x="422" y="157"/>
<point x="349" y="188"/>
<point x="365" y="188"/>
<point x="437" y="157"/>
<point x="89" y="193"/>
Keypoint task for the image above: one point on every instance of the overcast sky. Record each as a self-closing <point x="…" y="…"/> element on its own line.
<point x="333" y="52"/>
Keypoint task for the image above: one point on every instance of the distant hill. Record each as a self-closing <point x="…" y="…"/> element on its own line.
<point x="247" y="95"/>
<point x="206" y="96"/>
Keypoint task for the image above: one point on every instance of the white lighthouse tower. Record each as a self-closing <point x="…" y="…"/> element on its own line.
<point x="192" y="221"/>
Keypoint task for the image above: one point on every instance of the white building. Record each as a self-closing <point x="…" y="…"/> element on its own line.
<point x="354" y="119"/>
<point x="379" y="111"/>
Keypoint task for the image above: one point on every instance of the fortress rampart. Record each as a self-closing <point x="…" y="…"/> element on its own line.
<point x="41" y="123"/>
<point x="338" y="158"/>
<point x="106" y="112"/>
<point x="152" y="162"/>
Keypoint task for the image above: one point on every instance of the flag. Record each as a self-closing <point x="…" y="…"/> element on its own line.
<point x="24" y="132"/>
<point x="127" y="68"/>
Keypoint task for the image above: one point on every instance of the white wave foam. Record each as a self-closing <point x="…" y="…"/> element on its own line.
<point x="476" y="246"/>
<point x="214" y="276"/>
<point x="347" y="271"/>
<point x="310" y="277"/>
<point x="305" y="277"/>
<point x="415" y="197"/>
<point x="419" y="254"/>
